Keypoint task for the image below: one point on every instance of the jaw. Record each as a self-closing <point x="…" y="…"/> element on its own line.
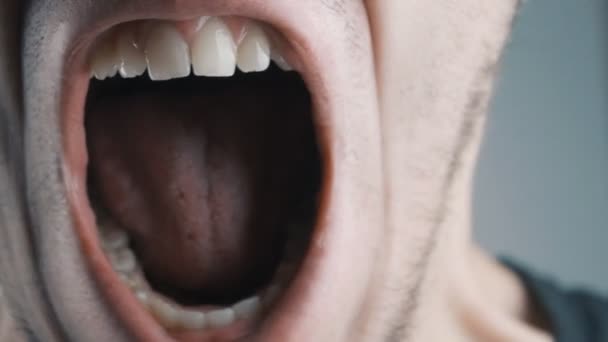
<point x="340" y="78"/>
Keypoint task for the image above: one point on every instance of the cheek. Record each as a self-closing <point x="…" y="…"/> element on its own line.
<point x="432" y="63"/>
<point x="419" y="73"/>
<point x="433" y="59"/>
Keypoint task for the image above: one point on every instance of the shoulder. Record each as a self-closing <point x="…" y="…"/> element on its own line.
<point x="573" y="315"/>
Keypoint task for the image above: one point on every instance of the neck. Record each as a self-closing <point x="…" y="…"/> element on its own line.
<point x="469" y="296"/>
<point x="490" y="302"/>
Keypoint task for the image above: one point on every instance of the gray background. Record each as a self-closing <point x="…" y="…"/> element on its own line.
<point x="542" y="182"/>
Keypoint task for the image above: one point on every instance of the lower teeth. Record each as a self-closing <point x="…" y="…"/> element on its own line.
<point x="171" y="315"/>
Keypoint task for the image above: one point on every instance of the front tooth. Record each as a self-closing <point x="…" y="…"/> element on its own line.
<point x="114" y="238"/>
<point x="143" y="297"/>
<point x="213" y="50"/>
<point x="167" y="53"/>
<point x="163" y="311"/>
<point x="254" y="50"/>
<point x="105" y="61"/>
<point x="220" y="318"/>
<point x="123" y="261"/>
<point x="191" y="320"/>
<point x="246" y="308"/>
<point x="281" y="62"/>
<point x="132" y="58"/>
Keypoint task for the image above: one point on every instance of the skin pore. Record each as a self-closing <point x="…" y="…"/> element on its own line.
<point x="411" y="81"/>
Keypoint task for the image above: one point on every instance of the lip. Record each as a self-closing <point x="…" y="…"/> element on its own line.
<point x="338" y="225"/>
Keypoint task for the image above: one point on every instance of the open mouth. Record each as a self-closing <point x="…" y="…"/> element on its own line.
<point x="201" y="147"/>
<point x="212" y="178"/>
<point x="203" y="169"/>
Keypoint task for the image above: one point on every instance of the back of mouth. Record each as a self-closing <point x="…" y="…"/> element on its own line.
<point x="204" y="168"/>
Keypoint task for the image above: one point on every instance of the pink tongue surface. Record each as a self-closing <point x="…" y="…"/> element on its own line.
<point x="203" y="183"/>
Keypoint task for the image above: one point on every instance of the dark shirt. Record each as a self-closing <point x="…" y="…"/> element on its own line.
<point x="573" y="315"/>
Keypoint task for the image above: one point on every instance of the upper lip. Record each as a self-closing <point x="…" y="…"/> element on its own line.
<point x="310" y="56"/>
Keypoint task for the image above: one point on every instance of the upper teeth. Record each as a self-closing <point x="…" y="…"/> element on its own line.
<point x="213" y="50"/>
<point x="167" y="53"/>
<point x="132" y="61"/>
<point x="254" y="51"/>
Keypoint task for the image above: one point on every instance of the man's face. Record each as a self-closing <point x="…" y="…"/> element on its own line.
<point x="397" y="88"/>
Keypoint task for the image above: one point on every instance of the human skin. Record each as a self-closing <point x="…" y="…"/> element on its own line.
<point x="406" y="97"/>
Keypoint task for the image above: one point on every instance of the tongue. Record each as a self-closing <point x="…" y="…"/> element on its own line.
<point x="203" y="183"/>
